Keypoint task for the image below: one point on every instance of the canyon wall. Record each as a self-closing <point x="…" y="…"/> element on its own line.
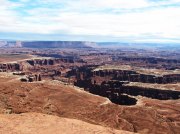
<point x="133" y="76"/>
<point x="122" y="94"/>
<point x="10" y="67"/>
<point x="112" y="84"/>
<point x="19" y="66"/>
<point x="123" y="75"/>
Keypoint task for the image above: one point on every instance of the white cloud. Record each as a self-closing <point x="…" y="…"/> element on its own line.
<point x="163" y="21"/>
<point x="157" y="23"/>
<point x="114" y="4"/>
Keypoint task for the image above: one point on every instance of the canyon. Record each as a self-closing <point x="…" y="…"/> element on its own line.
<point x="127" y="90"/>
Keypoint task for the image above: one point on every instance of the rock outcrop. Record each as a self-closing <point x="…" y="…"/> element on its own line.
<point x="21" y="65"/>
<point x="52" y="61"/>
<point x="10" y="67"/>
<point x="31" y="78"/>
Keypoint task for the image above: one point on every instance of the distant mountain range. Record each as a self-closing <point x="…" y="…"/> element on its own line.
<point x="139" y="45"/>
<point x="86" y="44"/>
<point x="47" y="44"/>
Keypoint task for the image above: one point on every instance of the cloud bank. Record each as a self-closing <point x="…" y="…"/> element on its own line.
<point x="95" y="20"/>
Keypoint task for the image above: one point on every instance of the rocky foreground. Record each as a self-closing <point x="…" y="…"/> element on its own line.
<point x="36" y="123"/>
<point x="20" y="102"/>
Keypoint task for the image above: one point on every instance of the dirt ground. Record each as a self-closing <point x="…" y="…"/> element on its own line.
<point x="36" y="123"/>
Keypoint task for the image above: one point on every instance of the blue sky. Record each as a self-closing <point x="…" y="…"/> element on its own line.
<point x="91" y="20"/>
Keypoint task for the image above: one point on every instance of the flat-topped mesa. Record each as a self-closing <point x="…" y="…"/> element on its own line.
<point x="56" y="44"/>
<point x="47" y="44"/>
<point x="52" y="61"/>
<point x="21" y="65"/>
